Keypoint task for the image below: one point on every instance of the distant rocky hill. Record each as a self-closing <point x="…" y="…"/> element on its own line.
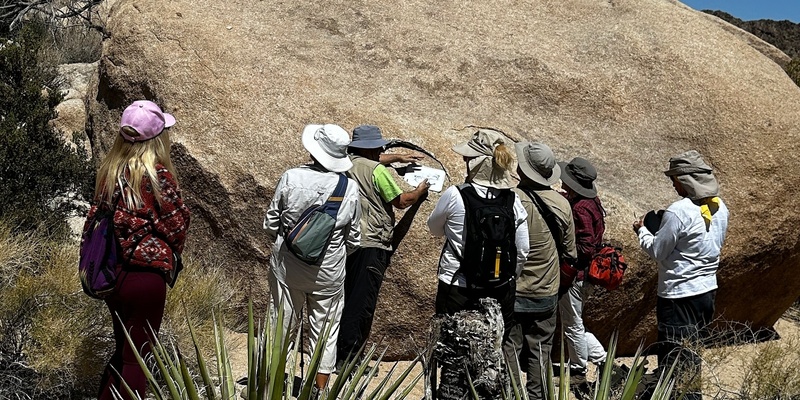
<point x="784" y="35"/>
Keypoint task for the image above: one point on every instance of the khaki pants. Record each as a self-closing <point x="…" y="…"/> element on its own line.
<point x="320" y="308"/>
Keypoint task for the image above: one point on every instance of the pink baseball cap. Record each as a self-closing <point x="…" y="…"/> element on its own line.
<point x="146" y="118"/>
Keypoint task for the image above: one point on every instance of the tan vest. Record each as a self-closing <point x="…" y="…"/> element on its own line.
<point x="540" y="274"/>
<point x="377" y="216"/>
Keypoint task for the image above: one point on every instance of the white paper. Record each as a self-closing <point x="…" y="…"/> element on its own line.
<point x="435" y="177"/>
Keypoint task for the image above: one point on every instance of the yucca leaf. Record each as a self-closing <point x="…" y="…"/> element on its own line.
<point x="602" y="388"/>
<point x="151" y="382"/>
<point x="294" y="351"/>
<point x="165" y="371"/>
<point x="191" y="390"/>
<point x="252" y="359"/>
<point x="358" y="379"/>
<point x="127" y="389"/>
<point x="548" y="386"/>
<point x="383" y="383"/>
<point x="201" y="362"/>
<point x="396" y="384"/>
<point x="349" y="364"/>
<point x="227" y="390"/>
<point x="316" y="358"/>
<point x="472" y="390"/>
<point x="410" y="387"/>
<point x="563" y="377"/>
<point x="634" y="376"/>
<point x="277" y="362"/>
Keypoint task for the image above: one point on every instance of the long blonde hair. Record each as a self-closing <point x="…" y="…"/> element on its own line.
<point x="128" y="164"/>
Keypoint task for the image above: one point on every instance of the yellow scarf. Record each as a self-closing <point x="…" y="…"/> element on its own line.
<point x="708" y="207"/>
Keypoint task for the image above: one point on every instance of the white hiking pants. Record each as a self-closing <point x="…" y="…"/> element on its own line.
<point x="581" y="345"/>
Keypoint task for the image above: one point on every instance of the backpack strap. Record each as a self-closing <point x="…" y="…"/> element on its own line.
<point x="335" y="200"/>
<point x="549" y="218"/>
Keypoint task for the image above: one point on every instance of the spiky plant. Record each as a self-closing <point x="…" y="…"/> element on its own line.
<point x="271" y="369"/>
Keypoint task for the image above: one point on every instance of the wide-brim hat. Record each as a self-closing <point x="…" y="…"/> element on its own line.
<point x="579" y="175"/>
<point x="696" y="177"/>
<point x="368" y="137"/>
<point x="482" y="143"/>
<point x="538" y="163"/>
<point x="328" y="145"/>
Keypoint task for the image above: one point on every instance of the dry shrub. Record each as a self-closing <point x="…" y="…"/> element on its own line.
<point x="55" y="340"/>
<point x="752" y="364"/>
<point x="202" y="288"/>
<point x="773" y="372"/>
<point x="52" y="336"/>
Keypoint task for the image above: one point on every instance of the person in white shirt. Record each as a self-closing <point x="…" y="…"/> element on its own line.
<point x="293" y="282"/>
<point x="687" y="249"/>
<point x="488" y="159"/>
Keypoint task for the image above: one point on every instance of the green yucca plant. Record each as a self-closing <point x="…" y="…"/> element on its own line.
<point x="270" y="353"/>
<point x="603" y="385"/>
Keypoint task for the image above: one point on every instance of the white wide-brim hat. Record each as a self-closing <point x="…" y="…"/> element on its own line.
<point x="328" y="145"/>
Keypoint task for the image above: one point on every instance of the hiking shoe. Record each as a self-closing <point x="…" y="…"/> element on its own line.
<point x="618" y="372"/>
<point x="582" y="390"/>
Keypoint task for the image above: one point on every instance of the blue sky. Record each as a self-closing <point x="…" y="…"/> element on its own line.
<point x="752" y="9"/>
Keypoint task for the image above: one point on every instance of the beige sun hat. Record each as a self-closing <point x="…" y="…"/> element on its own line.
<point x="696" y="177"/>
<point x="482" y="168"/>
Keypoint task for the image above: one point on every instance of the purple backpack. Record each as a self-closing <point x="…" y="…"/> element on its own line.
<point x="99" y="251"/>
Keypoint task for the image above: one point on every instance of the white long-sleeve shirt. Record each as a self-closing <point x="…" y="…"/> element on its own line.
<point x="447" y="220"/>
<point x="687" y="254"/>
<point x="297" y="190"/>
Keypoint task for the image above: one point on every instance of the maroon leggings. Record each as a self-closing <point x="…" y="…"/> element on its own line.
<point x="139" y="298"/>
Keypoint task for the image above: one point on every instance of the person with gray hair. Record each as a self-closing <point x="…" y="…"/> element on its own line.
<point x="687" y="248"/>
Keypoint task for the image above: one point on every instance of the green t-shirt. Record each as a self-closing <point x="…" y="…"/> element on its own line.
<point x="385" y="184"/>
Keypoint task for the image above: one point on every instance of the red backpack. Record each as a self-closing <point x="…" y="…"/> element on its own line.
<point x="607" y="267"/>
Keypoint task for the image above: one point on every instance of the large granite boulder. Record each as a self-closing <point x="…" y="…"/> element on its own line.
<point x="624" y="83"/>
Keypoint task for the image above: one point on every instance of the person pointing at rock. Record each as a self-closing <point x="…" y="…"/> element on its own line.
<point x="379" y="195"/>
<point x="687" y="249"/>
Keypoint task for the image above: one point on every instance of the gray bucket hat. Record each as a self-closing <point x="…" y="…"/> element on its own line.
<point x="696" y="177"/>
<point x="537" y="162"/>
<point x="367" y="137"/>
<point x="579" y="175"/>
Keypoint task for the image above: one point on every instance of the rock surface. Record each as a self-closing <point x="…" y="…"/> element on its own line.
<point x="72" y="114"/>
<point x="624" y="83"/>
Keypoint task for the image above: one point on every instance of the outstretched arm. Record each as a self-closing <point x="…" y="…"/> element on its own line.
<point x="405" y="200"/>
<point x="387" y="159"/>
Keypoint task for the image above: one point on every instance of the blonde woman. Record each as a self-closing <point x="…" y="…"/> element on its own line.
<point x="137" y="179"/>
<point x="489" y="157"/>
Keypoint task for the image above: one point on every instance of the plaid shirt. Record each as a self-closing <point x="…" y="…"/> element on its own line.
<point x="589" y="228"/>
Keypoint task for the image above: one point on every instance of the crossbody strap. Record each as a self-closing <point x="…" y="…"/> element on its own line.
<point x="334" y="202"/>
<point x="549" y="219"/>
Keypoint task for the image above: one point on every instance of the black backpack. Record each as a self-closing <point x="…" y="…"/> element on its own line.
<point x="490" y="252"/>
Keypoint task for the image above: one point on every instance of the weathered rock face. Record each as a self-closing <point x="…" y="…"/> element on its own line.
<point x="72" y="114"/>
<point x="624" y="83"/>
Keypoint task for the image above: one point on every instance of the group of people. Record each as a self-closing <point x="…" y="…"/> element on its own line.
<point x="546" y="230"/>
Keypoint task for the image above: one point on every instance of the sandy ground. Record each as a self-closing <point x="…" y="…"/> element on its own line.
<point x="723" y="370"/>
